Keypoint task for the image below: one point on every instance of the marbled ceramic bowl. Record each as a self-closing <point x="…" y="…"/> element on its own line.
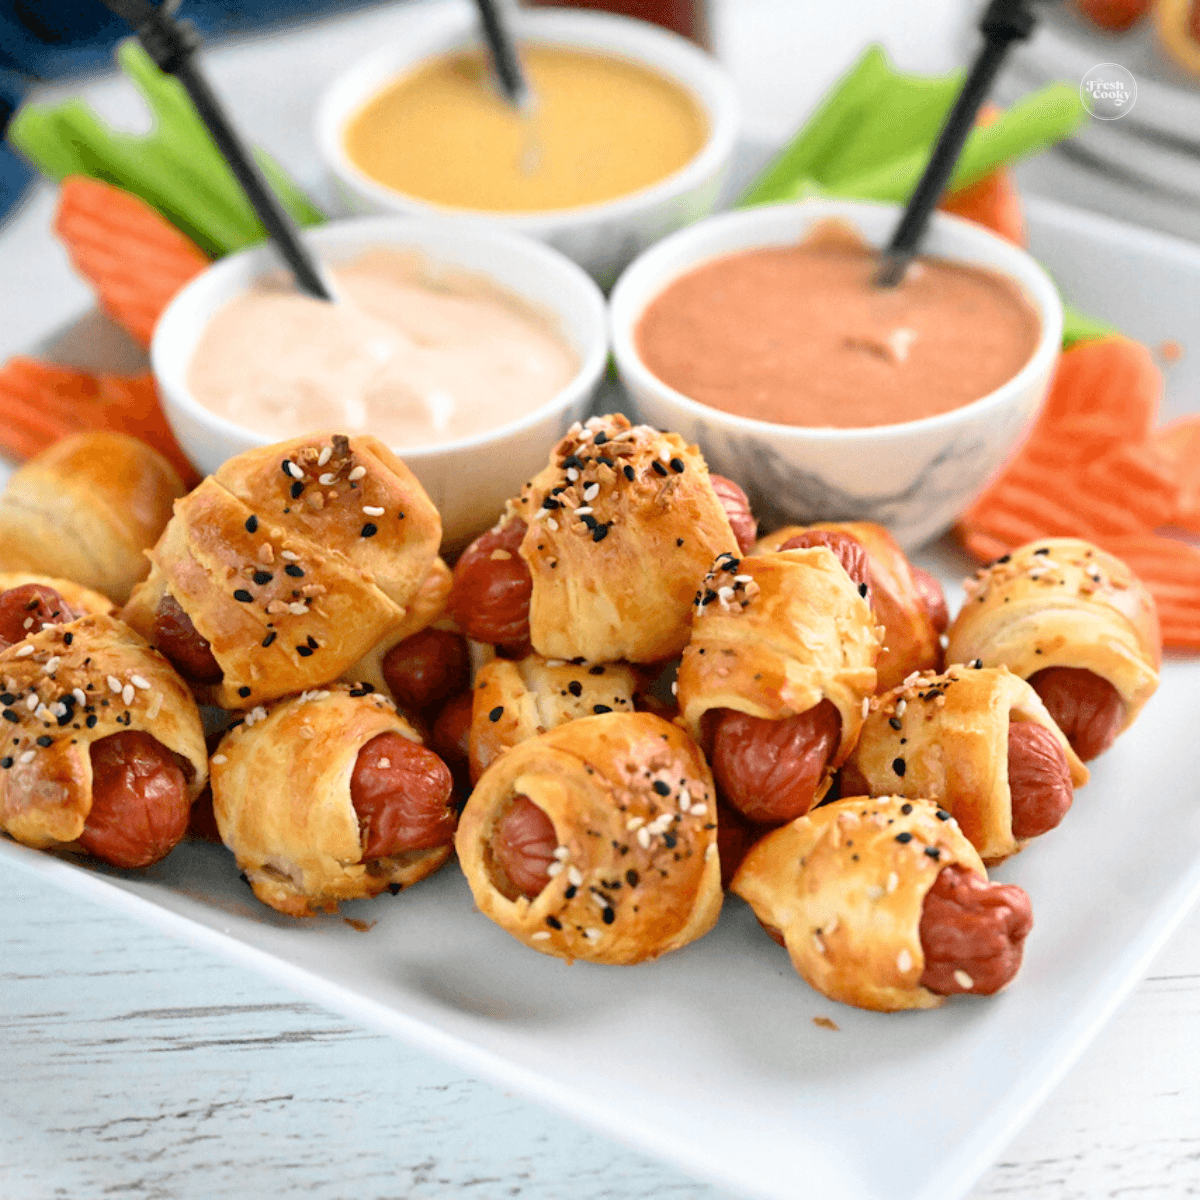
<point x="914" y="477"/>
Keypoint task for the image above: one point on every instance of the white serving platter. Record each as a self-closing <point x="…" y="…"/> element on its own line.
<point x="710" y="1057"/>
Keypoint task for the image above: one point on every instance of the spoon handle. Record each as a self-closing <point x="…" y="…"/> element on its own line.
<point x="1004" y="22"/>
<point x="505" y="61"/>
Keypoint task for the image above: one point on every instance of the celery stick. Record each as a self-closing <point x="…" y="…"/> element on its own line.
<point x="1079" y="327"/>
<point x="37" y="133"/>
<point x="304" y="212"/>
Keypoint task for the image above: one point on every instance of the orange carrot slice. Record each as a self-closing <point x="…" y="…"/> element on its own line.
<point x="1140" y="478"/>
<point x="1180" y="443"/>
<point x="134" y="259"/>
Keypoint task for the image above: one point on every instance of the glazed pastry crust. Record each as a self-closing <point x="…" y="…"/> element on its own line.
<point x="910" y="641"/>
<point x="847" y="895"/>
<point x="514" y="701"/>
<point x="87" y="509"/>
<point x="46" y="791"/>
<point x="80" y="598"/>
<point x="623" y="594"/>
<point x="773" y="636"/>
<point x="949" y="734"/>
<point x="281" y="797"/>
<point x="1171" y="18"/>
<point x="246" y="559"/>
<point x="595" y="776"/>
<point x="1073" y="606"/>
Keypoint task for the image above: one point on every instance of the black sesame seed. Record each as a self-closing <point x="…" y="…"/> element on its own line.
<point x="603" y="458"/>
<point x="1004" y="558"/>
<point x="904" y="838"/>
<point x="572" y="460"/>
<point x="8" y="698"/>
<point x="601" y="708"/>
<point x="670" y="840"/>
<point x="554" y="922"/>
<point x="608" y="916"/>
<point x="600" y="438"/>
<point x="313" y="644"/>
<point x="496" y="713"/>
<point x="9" y="715"/>
<point x="261" y="577"/>
<point x="933" y="852"/>
<point x="294" y="571"/>
<point x="677" y="465"/>
<point x="6" y="762"/>
<point x="894" y="722"/>
<point x="679" y="541"/>
<point x="91" y="721"/>
<point x="251" y="524"/>
<point x="369" y="530"/>
<point x="589" y="521"/>
<point x="942" y="815"/>
<point x="243" y="595"/>
<point x="663" y="789"/>
<point x="659" y="469"/>
<point x="297" y="490"/>
<point x="45" y="741"/>
<point x="285" y="467"/>
<point x="269" y="639"/>
<point x="575" y="687"/>
<point x="631" y="878"/>
<point x="906" y="809"/>
<point x="243" y="692"/>
<point x="863" y="590"/>
<point x="304" y="651"/>
<point x="630" y="474"/>
<point x="551" y="504"/>
<point x="1042" y="550"/>
<point x="68" y="638"/>
<point x="898" y="765"/>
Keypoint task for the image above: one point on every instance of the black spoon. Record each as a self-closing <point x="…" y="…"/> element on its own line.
<point x="172" y="45"/>
<point x="1004" y="22"/>
<point x="506" y="64"/>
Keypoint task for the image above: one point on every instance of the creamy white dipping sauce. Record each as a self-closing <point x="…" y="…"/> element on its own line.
<point x="412" y="354"/>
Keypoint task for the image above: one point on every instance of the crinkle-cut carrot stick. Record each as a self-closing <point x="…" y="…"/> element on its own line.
<point x="1170" y="569"/>
<point x="1113" y="381"/>
<point x="42" y="402"/>
<point x="1180" y="443"/>
<point x="994" y="201"/>
<point x="1138" y="477"/>
<point x="134" y="259"/>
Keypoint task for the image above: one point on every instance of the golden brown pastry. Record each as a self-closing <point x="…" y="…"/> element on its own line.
<point x="330" y="796"/>
<point x="904" y="599"/>
<point x="103" y="748"/>
<point x="287" y="566"/>
<point x="596" y="840"/>
<point x="599" y="556"/>
<point x="1178" y="30"/>
<point x="884" y="904"/>
<point x="87" y="509"/>
<point x="1077" y="624"/>
<point x="80" y="599"/>
<point x="514" y="701"/>
<point x="980" y="743"/>
<point x="775" y="637"/>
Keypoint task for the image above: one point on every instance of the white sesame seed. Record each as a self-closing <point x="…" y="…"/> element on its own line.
<point x="866" y="707"/>
<point x="664" y="454"/>
<point x="127" y="693"/>
<point x="373" y="510"/>
<point x="541" y="936"/>
<point x="893" y="881"/>
<point x="297" y="609"/>
<point x="155" y="706"/>
<point x="58" y="709"/>
<point x="572" y="474"/>
<point x="591" y="491"/>
<point x="635" y="823"/>
<point x="743" y="578"/>
<point x="290" y="555"/>
<point x="556" y="662"/>
<point x="326" y="479"/>
<point x="27" y="757"/>
<point x="541" y="514"/>
<point x="599" y="898"/>
<point x="28" y="623"/>
<point x="562" y="852"/>
<point x="592" y="935"/>
<point x="818" y="945"/>
<point x="901" y="705"/>
<point x="551" y="523"/>
<point x="904" y="961"/>
<point x="963" y="980"/>
<point x="80" y="695"/>
<point x="831" y="924"/>
<point x="585" y="511"/>
<point x="293" y="470"/>
<point x="575" y="430"/>
<point x="115" y="685"/>
<point x="357" y="474"/>
<point x="219" y="758"/>
<point x="554" y="868"/>
<point x="711" y="852"/>
<point x="574" y="876"/>
<point x="674" y="687"/>
<point x="685" y="798"/>
<point x="385" y="763"/>
<point x="698" y="810"/>
<point x="874" y="892"/>
<point x="42" y="713"/>
<point x="24" y="651"/>
<point x="139" y="682"/>
<point x="643" y="838"/>
<point x="32" y="701"/>
<point x="324" y="456"/>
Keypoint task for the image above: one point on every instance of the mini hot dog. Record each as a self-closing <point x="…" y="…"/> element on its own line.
<point x="978" y="741"/>
<point x="883" y="903"/>
<point x="906" y="601"/>
<point x="331" y="796"/>
<point x="104" y="750"/>
<point x="774" y="680"/>
<point x="1077" y="624"/>
<point x="597" y="558"/>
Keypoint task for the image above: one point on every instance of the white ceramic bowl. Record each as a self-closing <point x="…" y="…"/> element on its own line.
<point x="469" y="479"/>
<point x="915" y="477"/>
<point x="602" y="238"/>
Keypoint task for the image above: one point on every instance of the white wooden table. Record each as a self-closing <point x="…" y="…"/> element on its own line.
<point x="136" y="1066"/>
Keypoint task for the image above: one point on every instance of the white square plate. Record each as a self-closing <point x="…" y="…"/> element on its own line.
<point x="711" y="1057"/>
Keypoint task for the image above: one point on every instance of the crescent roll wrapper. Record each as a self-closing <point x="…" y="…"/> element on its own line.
<point x="945" y="737"/>
<point x="621" y="525"/>
<point x="910" y="640"/>
<point x="1062" y="602"/>
<point x="773" y="636"/>
<point x="281" y="798"/>
<point x="632" y="803"/>
<point x="517" y="700"/>
<point x="845" y="886"/>
<point x="293" y="561"/>
<point x="46" y="769"/>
